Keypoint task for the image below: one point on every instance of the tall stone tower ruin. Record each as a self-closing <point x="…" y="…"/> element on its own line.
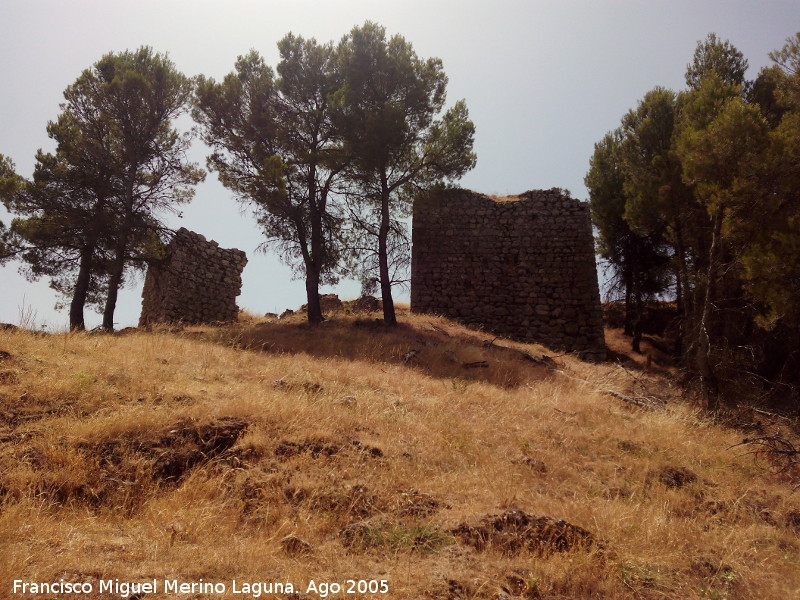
<point x="520" y="266"/>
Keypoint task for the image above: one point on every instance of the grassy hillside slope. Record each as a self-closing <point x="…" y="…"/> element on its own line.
<point x="423" y="456"/>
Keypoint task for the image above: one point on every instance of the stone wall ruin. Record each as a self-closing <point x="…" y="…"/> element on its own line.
<point x="520" y="266"/>
<point x="197" y="282"/>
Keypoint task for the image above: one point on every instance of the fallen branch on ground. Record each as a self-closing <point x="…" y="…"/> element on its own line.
<point x="777" y="449"/>
<point x="474" y="365"/>
<point x="646" y="402"/>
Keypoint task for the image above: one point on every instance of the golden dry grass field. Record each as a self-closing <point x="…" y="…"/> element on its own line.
<point x="272" y="452"/>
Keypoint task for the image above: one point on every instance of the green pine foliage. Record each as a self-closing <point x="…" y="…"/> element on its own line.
<point x="92" y="210"/>
<point x="712" y="171"/>
<point x="276" y="148"/>
<point x="328" y="152"/>
<point x="389" y="114"/>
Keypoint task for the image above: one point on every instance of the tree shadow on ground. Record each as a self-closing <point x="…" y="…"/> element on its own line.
<point x="445" y="351"/>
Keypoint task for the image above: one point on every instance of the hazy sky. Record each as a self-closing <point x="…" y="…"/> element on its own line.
<point x="543" y="82"/>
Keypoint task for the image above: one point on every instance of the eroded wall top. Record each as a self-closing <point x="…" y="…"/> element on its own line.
<point x="197" y="282"/>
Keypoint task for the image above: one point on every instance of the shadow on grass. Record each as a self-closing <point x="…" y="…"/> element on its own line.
<point x="419" y="344"/>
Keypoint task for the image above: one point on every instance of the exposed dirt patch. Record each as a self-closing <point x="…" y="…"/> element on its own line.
<point x="9" y="377"/>
<point x="522" y="587"/>
<point x="188" y="444"/>
<point x="673" y="477"/>
<point x="629" y="447"/>
<point x="536" y="465"/>
<point x="316" y="447"/>
<point x="792" y="520"/>
<point x="183" y="446"/>
<point x="761" y="504"/>
<point x="372" y="451"/>
<point x="26" y="408"/>
<point x="309" y="387"/>
<point x="516" y="531"/>
<point x="413" y="503"/>
<point x="368" y="536"/>
<point x="295" y="546"/>
<point x="124" y="471"/>
<point x="322" y="447"/>
<point x="352" y="501"/>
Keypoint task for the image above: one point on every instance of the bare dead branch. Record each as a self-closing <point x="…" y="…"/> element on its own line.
<point x="645" y="402"/>
<point x="775" y="448"/>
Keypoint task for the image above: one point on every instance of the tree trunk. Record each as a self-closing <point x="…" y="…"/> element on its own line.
<point x="76" y="321"/>
<point x="638" y="327"/>
<point x="115" y="279"/>
<point x="315" y="316"/>
<point x="121" y="250"/>
<point x="637" y="308"/>
<point x="629" y="298"/>
<point x="709" y="386"/>
<point x="113" y="290"/>
<point x="389" y="316"/>
<point x="686" y="294"/>
<point x="680" y="304"/>
<point x="314" y="259"/>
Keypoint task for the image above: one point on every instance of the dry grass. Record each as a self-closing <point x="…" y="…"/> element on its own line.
<point x="506" y="198"/>
<point x="195" y="455"/>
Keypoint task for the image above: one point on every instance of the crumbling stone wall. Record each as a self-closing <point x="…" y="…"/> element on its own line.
<point x="521" y="266"/>
<point x="197" y="282"/>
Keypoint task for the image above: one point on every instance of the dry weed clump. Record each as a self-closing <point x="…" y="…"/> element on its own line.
<point x="274" y="452"/>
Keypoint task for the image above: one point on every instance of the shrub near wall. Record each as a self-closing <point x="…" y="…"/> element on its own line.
<point x="521" y="266"/>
